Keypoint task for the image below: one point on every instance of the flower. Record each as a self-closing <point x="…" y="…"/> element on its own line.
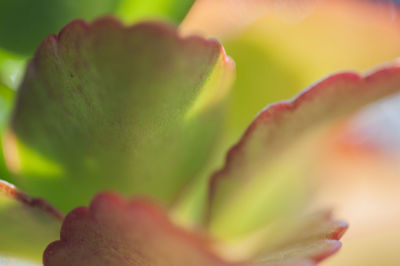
<point x="140" y="110"/>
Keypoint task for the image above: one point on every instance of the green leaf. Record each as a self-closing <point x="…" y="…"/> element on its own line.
<point x="6" y="102"/>
<point x="135" y="10"/>
<point x="262" y="176"/>
<point x="11" y="68"/>
<point x="311" y="237"/>
<point x="262" y="78"/>
<point x="102" y="106"/>
<point x="27" y="225"/>
<point x="112" y="231"/>
<point x="25" y="23"/>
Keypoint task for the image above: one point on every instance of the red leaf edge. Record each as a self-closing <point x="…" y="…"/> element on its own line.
<point x="12" y="192"/>
<point x="272" y="113"/>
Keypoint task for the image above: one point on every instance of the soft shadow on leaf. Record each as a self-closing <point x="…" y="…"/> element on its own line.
<point x="134" y="109"/>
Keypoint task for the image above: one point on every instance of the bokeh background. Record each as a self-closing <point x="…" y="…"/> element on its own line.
<point x="289" y="45"/>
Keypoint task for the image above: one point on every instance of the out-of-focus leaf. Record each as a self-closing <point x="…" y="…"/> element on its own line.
<point x="135" y="10"/>
<point x="6" y="101"/>
<point x="307" y="239"/>
<point x="102" y="106"/>
<point x="114" y="232"/>
<point x="279" y="145"/>
<point x="314" y="238"/>
<point x="276" y="58"/>
<point x="11" y="68"/>
<point x="25" y="23"/>
<point x="262" y="78"/>
<point x="27" y="225"/>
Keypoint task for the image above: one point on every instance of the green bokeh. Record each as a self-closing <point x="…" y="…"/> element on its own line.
<point x="172" y="10"/>
<point x="6" y="101"/>
<point x="25" y="23"/>
<point x="262" y="78"/>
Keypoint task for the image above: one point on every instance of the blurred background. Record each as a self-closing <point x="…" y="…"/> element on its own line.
<point x="291" y="44"/>
<point x="280" y="47"/>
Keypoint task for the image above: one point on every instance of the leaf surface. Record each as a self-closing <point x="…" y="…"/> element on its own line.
<point x="264" y="171"/>
<point x="103" y="106"/>
<point x="314" y="238"/>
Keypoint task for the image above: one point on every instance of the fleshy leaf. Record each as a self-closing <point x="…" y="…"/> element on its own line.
<point x="279" y="146"/>
<point x="135" y="10"/>
<point x="314" y="238"/>
<point x="27" y="225"/>
<point x="115" y="232"/>
<point x="102" y="106"/>
<point x="275" y="58"/>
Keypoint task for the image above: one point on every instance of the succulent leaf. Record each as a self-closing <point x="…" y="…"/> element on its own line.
<point x="280" y="144"/>
<point x="103" y="106"/>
